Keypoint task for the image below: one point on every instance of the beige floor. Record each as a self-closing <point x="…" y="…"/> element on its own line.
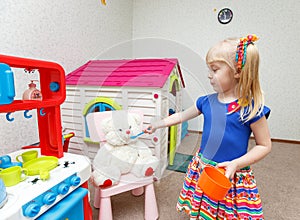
<point x="277" y="176"/>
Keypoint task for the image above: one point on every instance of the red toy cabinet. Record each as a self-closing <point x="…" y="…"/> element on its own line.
<point x="52" y="86"/>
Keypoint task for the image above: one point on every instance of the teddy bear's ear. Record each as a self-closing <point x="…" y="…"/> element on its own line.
<point x="106" y="125"/>
<point x="137" y="118"/>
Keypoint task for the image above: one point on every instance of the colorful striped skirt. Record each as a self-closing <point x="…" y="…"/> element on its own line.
<point x="241" y="202"/>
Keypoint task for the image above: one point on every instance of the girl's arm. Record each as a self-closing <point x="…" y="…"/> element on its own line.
<point x="259" y="151"/>
<point x="174" y="119"/>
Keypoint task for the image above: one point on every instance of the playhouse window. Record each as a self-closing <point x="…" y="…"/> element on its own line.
<point x="99" y="104"/>
<point x="97" y="107"/>
<point x="100" y="107"/>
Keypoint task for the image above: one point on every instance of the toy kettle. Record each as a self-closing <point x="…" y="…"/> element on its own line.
<point x="32" y="93"/>
<point x="7" y="86"/>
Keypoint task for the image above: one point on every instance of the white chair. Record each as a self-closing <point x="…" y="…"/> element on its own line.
<point x="128" y="182"/>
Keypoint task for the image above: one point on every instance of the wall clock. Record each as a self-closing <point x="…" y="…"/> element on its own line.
<point x="225" y="16"/>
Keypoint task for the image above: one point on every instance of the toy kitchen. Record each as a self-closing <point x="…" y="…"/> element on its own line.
<point x="42" y="181"/>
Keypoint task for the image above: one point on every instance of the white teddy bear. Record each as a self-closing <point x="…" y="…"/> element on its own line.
<point x="122" y="153"/>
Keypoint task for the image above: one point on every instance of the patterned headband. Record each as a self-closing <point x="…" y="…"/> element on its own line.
<point x="241" y="51"/>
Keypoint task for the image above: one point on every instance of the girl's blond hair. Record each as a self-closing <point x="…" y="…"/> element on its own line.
<point x="248" y="91"/>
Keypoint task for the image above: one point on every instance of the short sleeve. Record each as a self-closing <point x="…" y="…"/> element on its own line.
<point x="199" y="102"/>
<point x="265" y="112"/>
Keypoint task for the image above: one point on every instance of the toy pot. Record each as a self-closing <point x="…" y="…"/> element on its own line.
<point x="214" y="183"/>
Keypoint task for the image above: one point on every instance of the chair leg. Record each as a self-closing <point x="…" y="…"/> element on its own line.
<point x="138" y="191"/>
<point x="151" y="211"/>
<point x="105" y="212"/>
<point x="97" y="197"/>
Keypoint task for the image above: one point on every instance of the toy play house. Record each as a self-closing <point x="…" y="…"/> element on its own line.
<point x="153" y="86"/>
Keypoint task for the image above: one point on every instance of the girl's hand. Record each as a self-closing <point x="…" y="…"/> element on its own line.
<point x="230" y="168"/>
<point x="149" y="130"/>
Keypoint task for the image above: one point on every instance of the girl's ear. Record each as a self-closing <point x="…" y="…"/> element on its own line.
<point x="237" y="75"/>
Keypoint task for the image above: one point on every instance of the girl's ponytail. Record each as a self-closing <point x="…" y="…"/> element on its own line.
<point x="249" y="90"/>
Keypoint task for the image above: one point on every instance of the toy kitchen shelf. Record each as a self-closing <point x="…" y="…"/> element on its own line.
<point x="71" y="166"/>
<point x="53" y="89"/>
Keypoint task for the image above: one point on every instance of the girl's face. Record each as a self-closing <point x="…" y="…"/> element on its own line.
<point x="222" y="78"/>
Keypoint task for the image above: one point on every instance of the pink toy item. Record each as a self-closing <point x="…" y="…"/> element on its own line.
<point x="32" y="93"/>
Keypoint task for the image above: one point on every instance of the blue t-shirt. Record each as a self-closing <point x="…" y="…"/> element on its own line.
<point x="225" y="137"/>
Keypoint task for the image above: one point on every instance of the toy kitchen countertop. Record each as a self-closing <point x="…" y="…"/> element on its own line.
<point x="32" y="197"/>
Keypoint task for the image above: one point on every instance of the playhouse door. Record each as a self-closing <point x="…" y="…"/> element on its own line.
<point x="174" y="88"/>
<point x="172" y="144"/>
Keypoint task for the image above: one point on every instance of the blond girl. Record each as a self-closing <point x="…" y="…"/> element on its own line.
<point x="231" y="115"/>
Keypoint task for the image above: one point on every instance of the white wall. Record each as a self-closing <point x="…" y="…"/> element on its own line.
<point x="69" y="32"/>
<point x="191" y="27"/>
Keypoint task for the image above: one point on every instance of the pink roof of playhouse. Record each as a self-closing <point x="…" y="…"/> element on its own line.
<point x="135" y="73"/>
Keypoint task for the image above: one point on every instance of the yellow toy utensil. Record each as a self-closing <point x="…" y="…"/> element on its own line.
<point x="66" y="136"/>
